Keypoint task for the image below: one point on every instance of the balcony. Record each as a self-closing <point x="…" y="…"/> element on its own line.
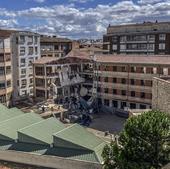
<point x="130" y="75"/>
<point x="53" y="75"/>
<point x="127" y="98"/>
<point x="120" y="86"/>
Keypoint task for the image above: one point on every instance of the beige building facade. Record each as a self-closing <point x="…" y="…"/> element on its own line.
<point x="6" y="88"/>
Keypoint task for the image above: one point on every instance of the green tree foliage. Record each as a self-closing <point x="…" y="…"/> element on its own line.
<point x="144" y="143"/>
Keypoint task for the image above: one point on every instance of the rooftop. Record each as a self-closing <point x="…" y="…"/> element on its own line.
<point x="35" y="135"/>
<point x="45" y="60"/>
<point x="51" y="39"/>
<point x="135" y="59"/>
<point x="139" y="27"/>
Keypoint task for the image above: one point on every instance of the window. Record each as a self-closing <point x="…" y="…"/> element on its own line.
<point x="8" y="69"/>
<point x="1" y="57"/>
<point x="2" y="70"/>
<point x="56" y="47"/>
<point x="123" y="104"/>
<point x="114" y="103"/>
<point x="99" y="89"/>
<point x="123" y="92"/>
<point x="114" y="38"/>
<point x="30" y="39"/>
<point x="106" y="90"/>
<point x="165" y="71"/>
<point x="30" y="51"/>
<point x="162" y="36"/>
<point x="142" y="95"/>
<point x="39" y="71"/>
<point x="36" y="39"/>
<point x="133" y="93"/>
<point x="162" y="46"/>
<point x="24" y="92"/>
<point x="122" y="38"/>
<point x="151" y="37"/>
<point x="23" y="71"/>
<point x="106" y="102"/>
<point x="22" y="51"/>
<point x="40" y="93"/>
<point x="151" y="46"/>
<point x="132" y="81"/>
<point x="133" y="69"/>
<point x="36" y="50"/>
<point x="114" y="80"/>
<point x="9" y="83"/>
<point x="2" y="98"/>
<point x="142" y="106"/>
<point x="123" y="69"/>
<point x="1" y="44"/>
<point x="122" y="47"/>
<point x="114" y="91"/>
<point x="22" y="62"/>
<point x="2" y="85"/>
<point x="23" y="82"/>
<point x="31" y="91"/>
<point x="142" y="82"/>
<point x="22" y="39"/>
<point x="31" y="80"/>
<point x="114" y="68"/>
<point x="106" y="79"/>
<point x="123" y="81"/>
<point x="114" y="47"/>
<point x="132" y="105"/>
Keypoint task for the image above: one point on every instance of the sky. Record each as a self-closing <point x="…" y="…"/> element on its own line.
<point x="79" y="18"/>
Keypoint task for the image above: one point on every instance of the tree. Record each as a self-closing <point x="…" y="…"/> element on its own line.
<point x="144" y="143"/>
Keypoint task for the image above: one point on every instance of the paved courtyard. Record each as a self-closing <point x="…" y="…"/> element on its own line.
<point x="106" y="122"/>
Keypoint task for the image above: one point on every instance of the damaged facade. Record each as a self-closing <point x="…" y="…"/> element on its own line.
<point x="58" y="78"/>
<point x="116" y="81"/>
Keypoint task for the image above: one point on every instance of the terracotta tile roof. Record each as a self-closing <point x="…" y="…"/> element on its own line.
<point x="46" y="39"/>
<point x="45" y="60"/>
<point x="134" y="59"/>
<point x="6" y="33"/>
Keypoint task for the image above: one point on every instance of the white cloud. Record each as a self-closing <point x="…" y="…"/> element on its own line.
<point x="9" y="23"/>
<point x="150" y="1"/>
<point x="80" y="1"/>
<point x="68" y="20"/>
<point x="39" y="1"/>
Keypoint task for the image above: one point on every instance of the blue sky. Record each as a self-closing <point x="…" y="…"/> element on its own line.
<point x="79" y="18"/>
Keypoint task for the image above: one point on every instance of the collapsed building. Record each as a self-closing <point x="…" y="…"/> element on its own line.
<point x="115" y="81"/>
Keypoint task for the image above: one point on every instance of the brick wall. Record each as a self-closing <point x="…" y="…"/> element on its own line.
<point x="161" y="95"/>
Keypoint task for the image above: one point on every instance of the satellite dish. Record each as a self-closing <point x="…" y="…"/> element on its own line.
<point x="83" y="91"/>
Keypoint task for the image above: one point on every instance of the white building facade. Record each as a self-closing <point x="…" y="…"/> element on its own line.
<point x="25" y="50"/>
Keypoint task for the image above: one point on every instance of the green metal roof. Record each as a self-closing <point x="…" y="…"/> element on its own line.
<point x="6" y="113"/>
<point x="8" y="128"/>
<point x="41" y="132"/>
<point x="46" y="150"/>
<point x="77" y="136"/>
<point x="35" y="134"/>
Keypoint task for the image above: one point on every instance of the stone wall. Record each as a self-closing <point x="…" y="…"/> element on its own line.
<point x="46" y="161"/>
<point x="161" y="95"/>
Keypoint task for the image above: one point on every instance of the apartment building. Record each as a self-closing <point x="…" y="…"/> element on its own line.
<point x="56" y="78"/>
<point x="146" y="38"/>
<point x="5" y="69"/>
<point x="25" y="50"/>
<point x="52" y="46"/>
<point x="127" y="81"/>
